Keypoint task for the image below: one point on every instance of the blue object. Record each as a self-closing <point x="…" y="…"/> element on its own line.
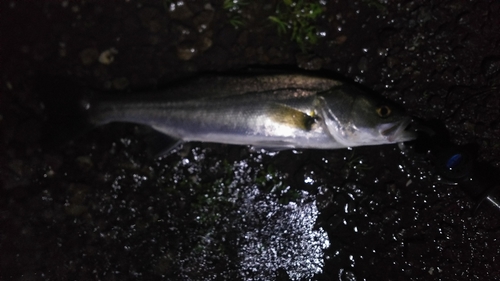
<point x="454" y="161"/>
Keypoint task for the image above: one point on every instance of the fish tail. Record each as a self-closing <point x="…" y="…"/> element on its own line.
<point x="66" y="111"/>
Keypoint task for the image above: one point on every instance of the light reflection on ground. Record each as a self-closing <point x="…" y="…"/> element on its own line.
<point x="286" y="239"/>
<point x="271" y="227"/>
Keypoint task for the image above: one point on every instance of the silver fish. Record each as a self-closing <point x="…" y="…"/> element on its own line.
<point x="278" y="111"/>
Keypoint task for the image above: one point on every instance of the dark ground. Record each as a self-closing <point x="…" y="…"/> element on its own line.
<point x="101" y="209"/>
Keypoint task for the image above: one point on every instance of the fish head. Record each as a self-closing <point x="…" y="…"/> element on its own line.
<point x="355" y="118"/>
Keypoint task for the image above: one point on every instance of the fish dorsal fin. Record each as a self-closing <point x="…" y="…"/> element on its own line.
<point x="292" y="117"/>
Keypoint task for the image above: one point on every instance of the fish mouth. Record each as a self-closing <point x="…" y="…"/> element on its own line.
<point x="398" y="131"/>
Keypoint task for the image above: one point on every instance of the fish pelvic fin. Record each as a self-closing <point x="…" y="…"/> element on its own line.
<point x="292" y="117"/>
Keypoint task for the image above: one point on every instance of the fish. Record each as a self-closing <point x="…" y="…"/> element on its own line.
<point x="274" y="111"/>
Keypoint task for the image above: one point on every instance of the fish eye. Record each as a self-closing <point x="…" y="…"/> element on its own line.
<point x="384" y="111"/>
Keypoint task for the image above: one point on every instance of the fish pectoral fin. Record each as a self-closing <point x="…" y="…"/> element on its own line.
<point x="292" y="117"/>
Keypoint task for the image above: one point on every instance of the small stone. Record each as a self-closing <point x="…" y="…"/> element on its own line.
<point x="469" y="126"/>
<point x="85" y="162"/>
<point x="17" y="167"/>
<point x="89" y="56"/>
<point x="154" y="40"/>
<point x="120" y="83"/>
<point x="108" y="56"/>
<point x="75" y="210"/>
<point x="309" y="62"/>
<point x="340" y="40"/>
<point x="179" y="11"/>
<point x="391" y="61"/>
<point x="490" y="66"/>
<point x="203" y="20"/>
<point x="208" y="6"/>
<point x="186" y="51"/>
<point x="79" y="193"/>
<point x="382" y="52"/>
<point x="204" y="44"/>
<point x="152" y="19"/>
<point x="250" y="52"/>
<point x="50" y="173"/>
<point x="181" y="32"/>
<point x="62" y="49"/>
<point x="243" y="38"/>
<point x="363" y="64"/>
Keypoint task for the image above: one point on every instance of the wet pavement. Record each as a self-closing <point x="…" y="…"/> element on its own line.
<point x="101" y="208"/>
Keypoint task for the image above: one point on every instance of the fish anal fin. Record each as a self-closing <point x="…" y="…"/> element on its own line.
<point x="161" y="145"/>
